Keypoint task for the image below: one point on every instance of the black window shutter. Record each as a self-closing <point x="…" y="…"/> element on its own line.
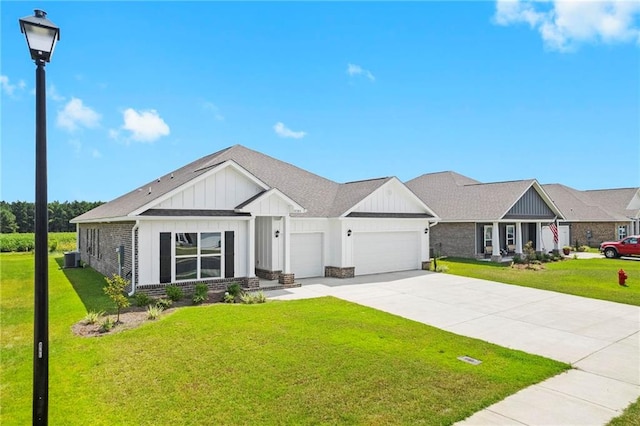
<point x="229" y="272"/>
<point x="165" y="257"/>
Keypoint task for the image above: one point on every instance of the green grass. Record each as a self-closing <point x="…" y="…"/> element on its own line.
<point x="18" y="242"/>
<point x="594" y="278"/>
<point x="630" y="417"/>
<point x="317" y="361"/>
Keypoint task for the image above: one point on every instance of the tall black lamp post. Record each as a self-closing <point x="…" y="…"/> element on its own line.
<point x="42" y="36"/>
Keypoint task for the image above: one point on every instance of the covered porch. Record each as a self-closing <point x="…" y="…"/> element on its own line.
<point x="502" y="239"/>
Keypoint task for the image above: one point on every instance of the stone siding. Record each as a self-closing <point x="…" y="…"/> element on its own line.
<point x="337" y="272"/>
<point x="268" y="275"/>
<point x="453" y="239"/>
<point x="98" y="243"/>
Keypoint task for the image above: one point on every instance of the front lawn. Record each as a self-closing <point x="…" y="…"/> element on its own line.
<point x="595" y="278"/>
<point x="320" y="361"/>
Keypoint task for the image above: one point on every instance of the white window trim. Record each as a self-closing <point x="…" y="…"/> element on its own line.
<point x="488" y="229"/>
<point x="198" y="256"/>
<point x="511" y="235"/>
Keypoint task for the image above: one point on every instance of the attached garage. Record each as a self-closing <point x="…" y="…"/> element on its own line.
<point x="306" y="255"/>
<point x="377" y="252"/>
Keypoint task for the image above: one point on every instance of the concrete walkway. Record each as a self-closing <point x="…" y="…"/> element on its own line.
<point x="600" y="339"/>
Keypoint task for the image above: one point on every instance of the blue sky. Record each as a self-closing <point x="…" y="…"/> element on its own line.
<point x="492" y="90"/>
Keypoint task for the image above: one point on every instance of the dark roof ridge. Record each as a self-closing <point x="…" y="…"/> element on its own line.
<point x="367" y="180"/>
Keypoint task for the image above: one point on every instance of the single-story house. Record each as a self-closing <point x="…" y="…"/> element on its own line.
<point x="238" y="214"/>
<point x="486" y="220"/>
<point x="594" y="216"/>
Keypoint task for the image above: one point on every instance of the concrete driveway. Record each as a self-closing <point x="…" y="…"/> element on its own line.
<point x="600" y="339"/>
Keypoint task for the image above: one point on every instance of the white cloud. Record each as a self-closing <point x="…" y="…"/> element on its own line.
<point x="8" y="88"/>
<point x="114" y="134"/>
<point x="284" y="132"/>
<point x="145" y="126"/>
<point x="75" y="114"/>
<point x="52" y="93"/>
<point x="565" y="23"/>
<point x="353" y="69"/>
<point x="213" y="109"/>
<point x="96" y="154"/>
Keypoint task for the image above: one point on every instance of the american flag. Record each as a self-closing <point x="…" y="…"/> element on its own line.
<point x="554" y="230"/>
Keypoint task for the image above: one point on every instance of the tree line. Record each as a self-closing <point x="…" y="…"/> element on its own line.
<point x="19" y="216"/>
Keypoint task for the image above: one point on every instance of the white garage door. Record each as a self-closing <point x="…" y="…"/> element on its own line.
<point x="376" y="252"/>
<point x="306" y="255"/>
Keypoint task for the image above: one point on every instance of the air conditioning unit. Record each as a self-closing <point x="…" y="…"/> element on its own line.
<point x="72" y="259"/>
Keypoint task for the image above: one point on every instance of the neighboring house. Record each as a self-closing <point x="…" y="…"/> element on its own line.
<point x="597" y="215"/>
<point x="486" y="220"/>
<point x="237" y="214"/>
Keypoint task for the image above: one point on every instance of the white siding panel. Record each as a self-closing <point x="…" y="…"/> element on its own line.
<point x="223" y="190"/>
<point x="378" y="252"/>
<point x="149" y="243"/>
<point x="547" y="238"/>
<point x="306" y="255"/>
<point x="390" y="198"/>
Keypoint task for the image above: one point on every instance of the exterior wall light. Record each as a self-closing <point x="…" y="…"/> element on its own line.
<point x="349" y="233"/>
<point x="277" y="234"/>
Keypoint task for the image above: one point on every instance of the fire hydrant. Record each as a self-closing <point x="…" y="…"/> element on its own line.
<point x="622" y="277"/>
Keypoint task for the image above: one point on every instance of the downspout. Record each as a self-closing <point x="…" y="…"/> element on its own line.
<point x="133" y="258"/>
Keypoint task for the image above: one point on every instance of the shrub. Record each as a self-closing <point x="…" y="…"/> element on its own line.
<point x="250" y="298"/>
<point x="164" y="303"/>
<point x="53" y="245"/>
<point x="201" y="293"/>
<point x="115" y="290"/>
<point x="153" y="312"/>
<point x="143" y="299"/>
<point x="107" y="325"/>
<point x="228" y="298"/>
<point x="92" y="317"/>
<point x="583" y="248"/>
<point x="442" y="268"/>
<point x="174" y="292"/>
<point x="517" y="258"/>
<point x="234" y="289"/>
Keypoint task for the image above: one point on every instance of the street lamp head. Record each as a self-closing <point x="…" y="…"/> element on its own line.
<point x="41" y="34"/>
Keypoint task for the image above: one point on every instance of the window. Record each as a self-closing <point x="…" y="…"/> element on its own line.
<point x="511" y="235"/>
<point x="488" y="236"/>
<point x="622" y="232"/>
<point x="198" y="255"/>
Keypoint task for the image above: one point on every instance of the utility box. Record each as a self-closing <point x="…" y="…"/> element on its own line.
<point x="72" y="259"/>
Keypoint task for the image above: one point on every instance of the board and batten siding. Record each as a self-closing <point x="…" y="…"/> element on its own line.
<point x="224" y="190"/>
<point x="269" y="249"/>
<point x="530" y="205"/>
<point x="389" y="198"/>
<point x="149" y="243"/>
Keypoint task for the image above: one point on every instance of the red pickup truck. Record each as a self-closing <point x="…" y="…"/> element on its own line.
<point x="629" y="246"/>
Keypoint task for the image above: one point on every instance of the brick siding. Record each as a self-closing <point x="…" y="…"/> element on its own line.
<point x="600" y="231"/>
<point x="98" y="243"/>
<point x="453" y="239"/>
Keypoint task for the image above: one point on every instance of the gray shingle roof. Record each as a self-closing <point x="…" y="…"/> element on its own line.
<point x="618" y="200"/>
<point x="319" y="196"/>
<point x="591" y="206"/>
<point x="456" y="197"/>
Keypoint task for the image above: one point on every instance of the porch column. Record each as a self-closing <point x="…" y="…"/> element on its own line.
<point x="518" y="237"/>
<point x="286" y="264"/>
<point x="538" y="237"/>
<point x="495" y="240"/>
<point x="251" y="247"/>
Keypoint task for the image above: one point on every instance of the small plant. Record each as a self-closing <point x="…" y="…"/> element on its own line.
<point x="583" y="248"/>
<point x="253" y="297"/>
<point x="228" y="297"/>
<point x="442" y="268"/>
<point x="153" y="312"/>
<point x="143" y="299"/>
<point x="201" y="293"/>
<point x="115" y="290"/>
<point x="174" y="292"/>
<point x="164" y="303"/>
<point x="53" y="245"/>
<point x="92" y="317"/>
<point x="234" y="289"/>
<point x="107" y="325"/>
<point x="517" y="258"/>
<point x="566" y="250"/>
